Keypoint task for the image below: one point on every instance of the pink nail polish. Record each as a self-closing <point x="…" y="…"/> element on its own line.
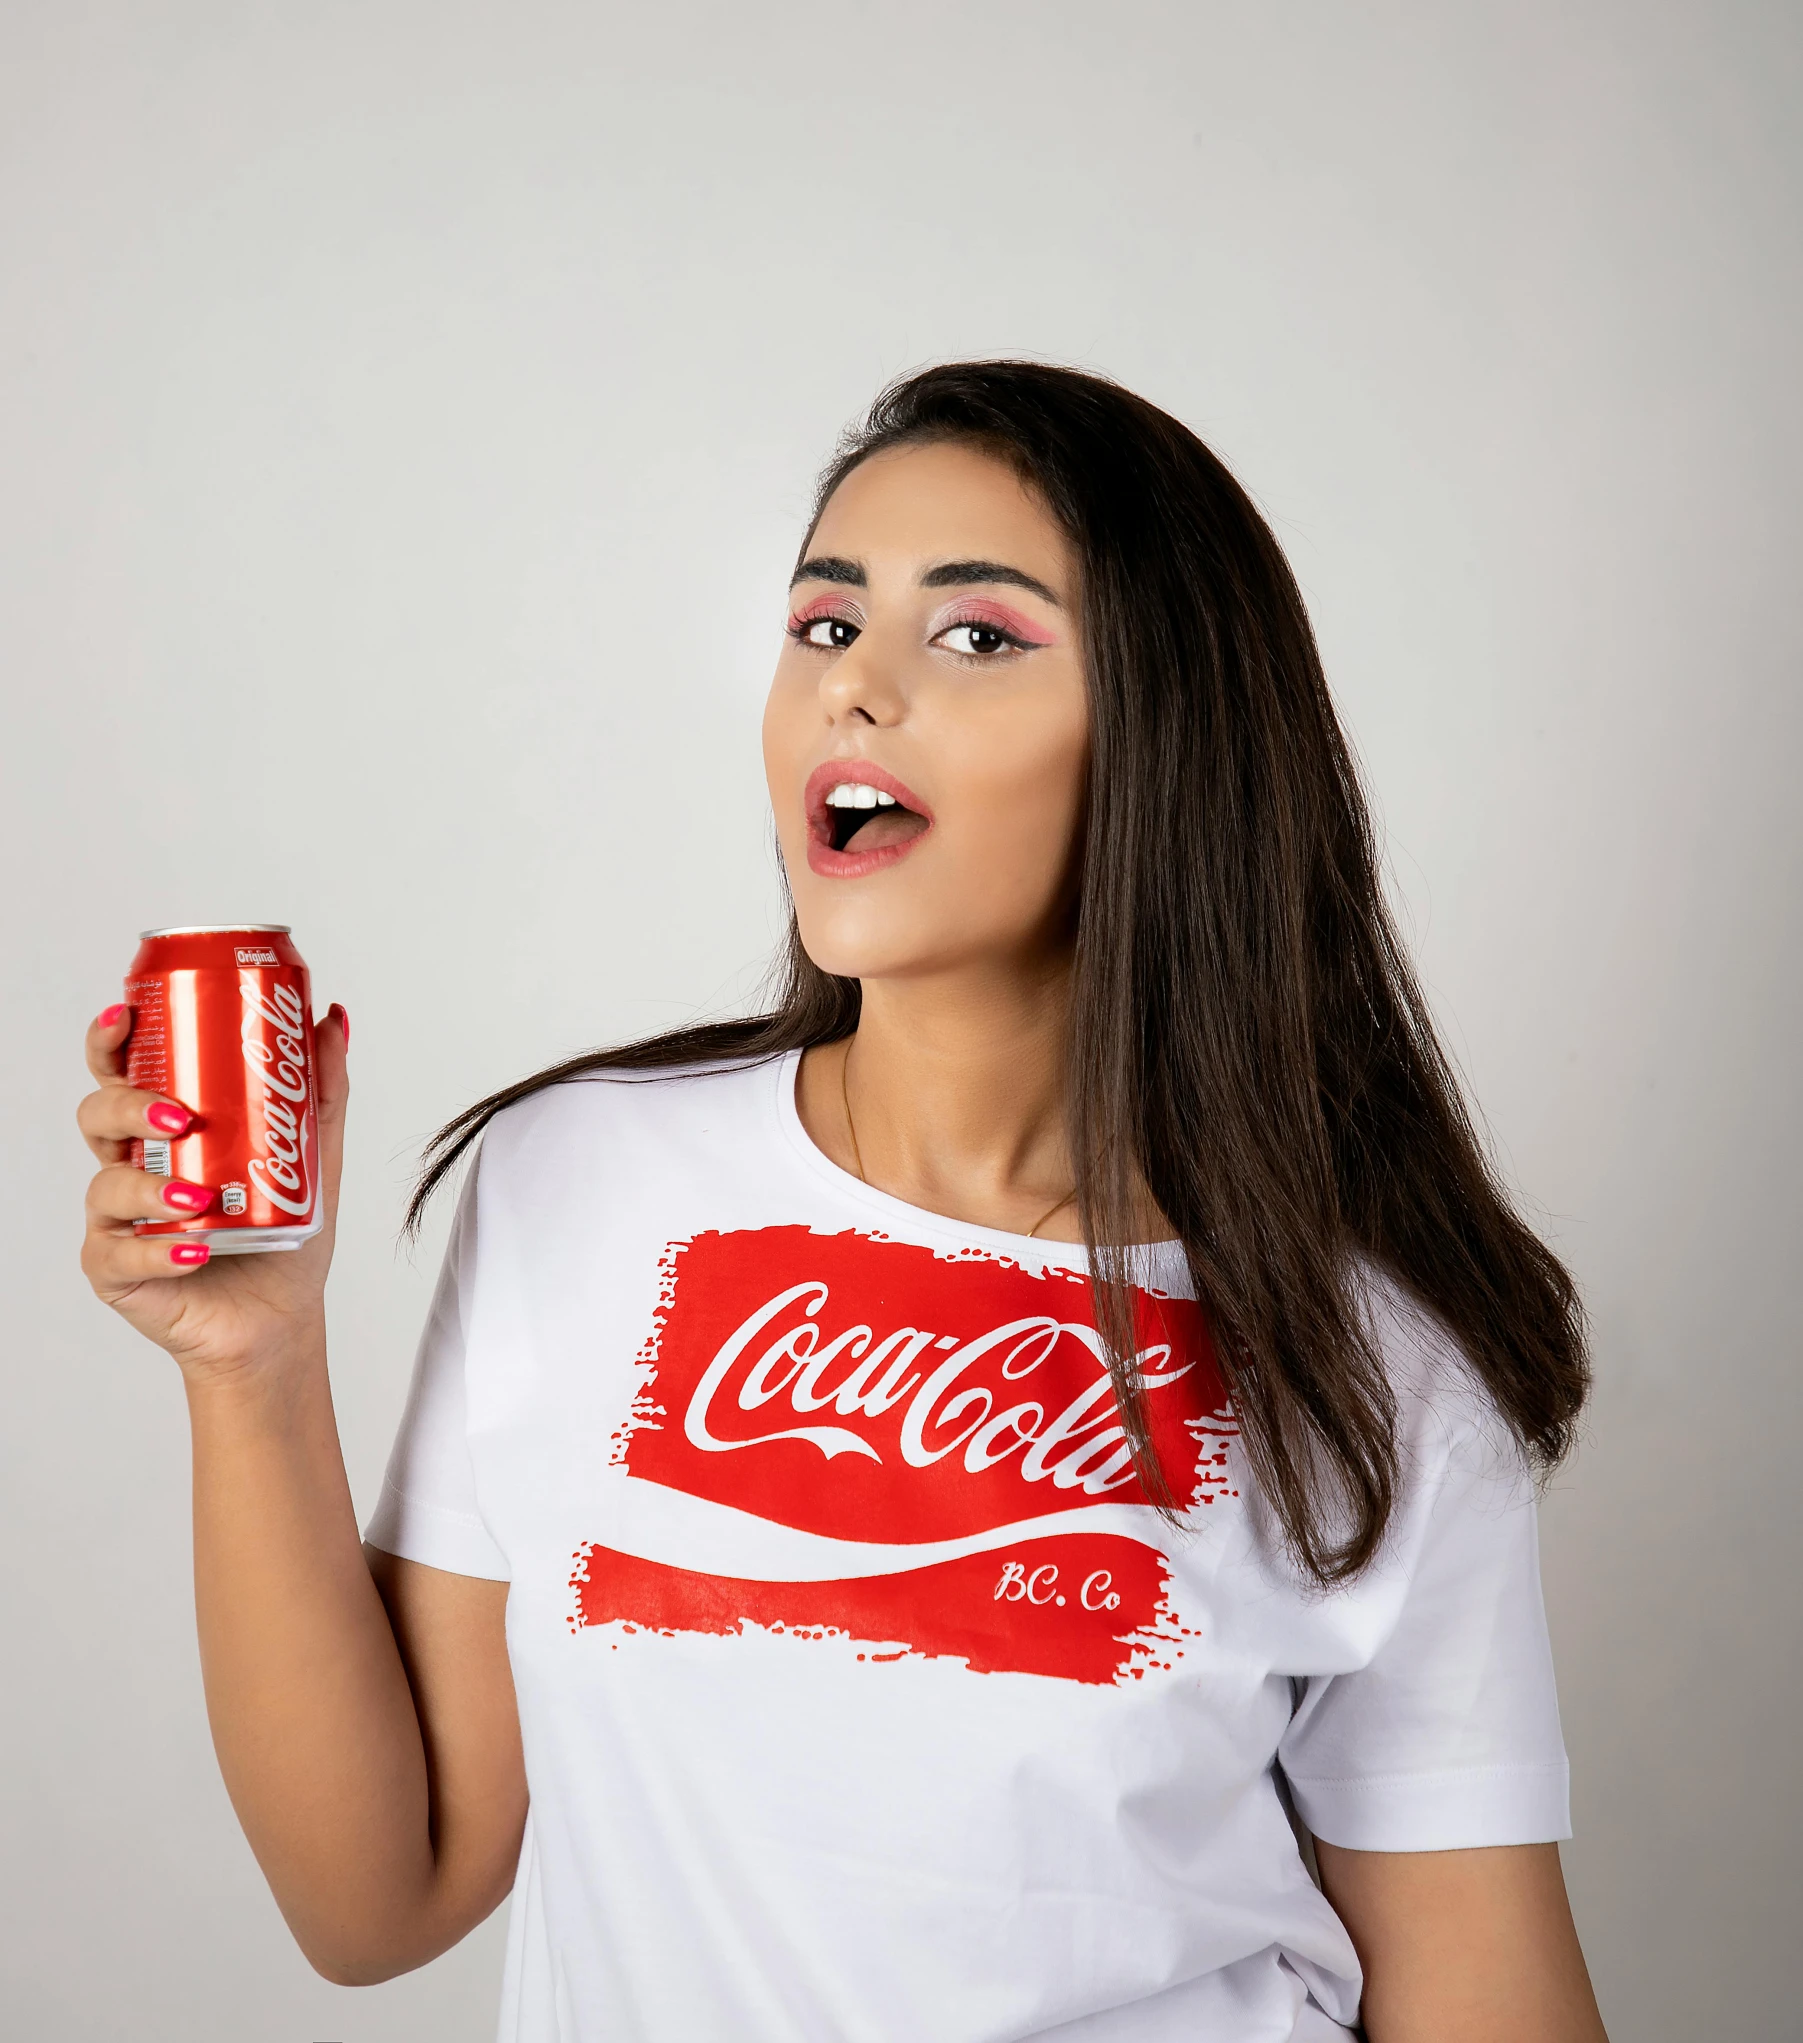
<point x="344" y="1021"/>
<point x="110" y="1017"/>
<point x="167" y="1119"/>
<point x="190" y="1253"/>
<point x="186" y="1198"/>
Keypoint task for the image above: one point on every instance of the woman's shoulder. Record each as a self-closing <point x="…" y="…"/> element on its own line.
<point x="598" y="1112"/>
<point x="1441" y="1399"/>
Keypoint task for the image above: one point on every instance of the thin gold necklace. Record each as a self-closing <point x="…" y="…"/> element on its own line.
<point x="857" y="1155"/>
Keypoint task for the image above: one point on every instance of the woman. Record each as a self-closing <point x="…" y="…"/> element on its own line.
<point x="936" y="1496"/>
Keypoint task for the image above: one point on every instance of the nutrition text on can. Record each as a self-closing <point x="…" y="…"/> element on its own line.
<point x="222" y="1023"/>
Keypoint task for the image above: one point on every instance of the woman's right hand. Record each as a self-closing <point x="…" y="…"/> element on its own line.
<point x="217" y="1315"/>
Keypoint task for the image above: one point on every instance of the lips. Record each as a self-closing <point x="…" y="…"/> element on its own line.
<point x="849" y="842"/>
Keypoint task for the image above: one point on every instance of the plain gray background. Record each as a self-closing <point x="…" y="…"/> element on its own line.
<point x="406" y="417"/>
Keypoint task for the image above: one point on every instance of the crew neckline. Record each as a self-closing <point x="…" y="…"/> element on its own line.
<point x="916" y="1220"/>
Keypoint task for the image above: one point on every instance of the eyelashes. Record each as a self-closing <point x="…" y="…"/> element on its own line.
<point x="987" y="638"/>
<point x="820" y="633"/>
<point x="1005" y="644"/>
<point x="827" y="625"/>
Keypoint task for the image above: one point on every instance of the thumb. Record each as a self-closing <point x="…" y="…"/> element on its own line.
<point x="330" y="1040"/>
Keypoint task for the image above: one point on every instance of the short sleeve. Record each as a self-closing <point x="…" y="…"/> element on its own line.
<point x="1448" y="1738"/>
<point x="428" y="1510"/>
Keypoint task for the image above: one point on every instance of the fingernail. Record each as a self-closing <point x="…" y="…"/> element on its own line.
<point x="190" y="1253"/>
<point x="167" y="1119"/>
<point x="187" y="1198"/>
<point x="110" y="1017"/>
<point x="344" y="1020"/>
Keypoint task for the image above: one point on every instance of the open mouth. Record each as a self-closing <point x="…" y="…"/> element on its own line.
<point x="860" y="817"/>
<point x="857" y="813"/>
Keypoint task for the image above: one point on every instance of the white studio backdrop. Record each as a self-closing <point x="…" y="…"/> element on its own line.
<point x="407" y="413"/>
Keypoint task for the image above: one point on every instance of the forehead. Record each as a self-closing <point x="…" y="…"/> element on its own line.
<point x="911" y="506"/>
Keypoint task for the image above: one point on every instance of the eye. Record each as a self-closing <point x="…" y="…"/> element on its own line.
<point x="825" y="634"/>
<point x="973" y="640"/>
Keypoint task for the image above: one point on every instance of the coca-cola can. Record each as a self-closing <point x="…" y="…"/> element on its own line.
<point x="222" y="1022"/>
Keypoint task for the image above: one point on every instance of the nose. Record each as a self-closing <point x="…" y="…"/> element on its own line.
<point x="860" y="686"/>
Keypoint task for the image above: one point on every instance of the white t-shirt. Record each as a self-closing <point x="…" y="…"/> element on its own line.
<point x="860" y="1703"/>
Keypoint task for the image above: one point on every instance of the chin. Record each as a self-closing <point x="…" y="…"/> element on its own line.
<point x="871" y="940"/>
<point x="854" y="953"/>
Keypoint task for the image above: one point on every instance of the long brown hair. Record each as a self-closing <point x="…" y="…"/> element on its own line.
<point x="1247" y="1038"/>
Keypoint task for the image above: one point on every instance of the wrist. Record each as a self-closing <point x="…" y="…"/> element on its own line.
<point x="282" y="1361"/>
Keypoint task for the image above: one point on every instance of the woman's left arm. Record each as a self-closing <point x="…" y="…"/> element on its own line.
<point x="1464" y="1946"/>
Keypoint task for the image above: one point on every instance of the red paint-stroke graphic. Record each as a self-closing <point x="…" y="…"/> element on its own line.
<point x="875" y="1390"/>
<point x="1084" y="1607"/>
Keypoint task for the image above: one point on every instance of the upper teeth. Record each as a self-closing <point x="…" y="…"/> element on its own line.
<point x="859" y="794"/>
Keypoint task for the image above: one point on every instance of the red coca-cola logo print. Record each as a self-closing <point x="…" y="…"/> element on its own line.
<point x="273" y="1039"/>
<point x="876" y="1392"/>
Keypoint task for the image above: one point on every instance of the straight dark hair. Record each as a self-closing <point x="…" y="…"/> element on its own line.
<point x="1246" y="1036"/>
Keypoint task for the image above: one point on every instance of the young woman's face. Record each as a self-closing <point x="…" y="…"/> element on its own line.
<point x="927" y="730"/>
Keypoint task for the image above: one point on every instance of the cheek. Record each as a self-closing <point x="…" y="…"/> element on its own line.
<point x="1025" y="809"/>
<point x="785" y="735"/>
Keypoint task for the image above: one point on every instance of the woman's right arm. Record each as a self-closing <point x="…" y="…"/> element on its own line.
<point x="361" y="1706"/>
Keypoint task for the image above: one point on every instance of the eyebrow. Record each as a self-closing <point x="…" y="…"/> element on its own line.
<point x="828" y="567"/>
<point x="949" y="574"/>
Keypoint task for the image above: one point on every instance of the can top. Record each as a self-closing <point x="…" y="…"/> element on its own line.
<point x="217" y="929"/>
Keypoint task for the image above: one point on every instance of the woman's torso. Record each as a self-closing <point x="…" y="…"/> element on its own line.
<point x="858" y="1702"/>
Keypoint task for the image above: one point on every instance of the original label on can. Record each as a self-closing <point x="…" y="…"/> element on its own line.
<point x="273" y="1037"/>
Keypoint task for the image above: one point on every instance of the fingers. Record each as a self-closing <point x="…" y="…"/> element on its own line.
<point x="114" y="1262"/>
<point x="122" y="1193"/>
<point x="105" y="1043"/>
<point x="113" y="1257"/>
<point x="118" y="1114"/>
<point x="113" y="1116"/>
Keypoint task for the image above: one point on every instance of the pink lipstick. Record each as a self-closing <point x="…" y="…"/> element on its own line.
<point x="860" y="819"/>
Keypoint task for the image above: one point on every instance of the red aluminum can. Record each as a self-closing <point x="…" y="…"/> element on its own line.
<point x="222" y="1021"/>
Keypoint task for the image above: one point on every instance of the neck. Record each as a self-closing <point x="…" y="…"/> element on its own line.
<point x="956" y="1089"/>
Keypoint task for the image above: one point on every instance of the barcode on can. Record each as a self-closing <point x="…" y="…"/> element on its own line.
<point x="156" y="1158"/>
